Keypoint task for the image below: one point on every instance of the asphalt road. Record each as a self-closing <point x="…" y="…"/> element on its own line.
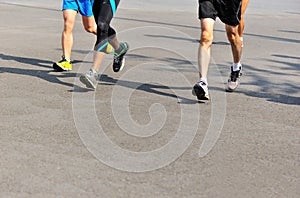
<point x="142" y="133"/>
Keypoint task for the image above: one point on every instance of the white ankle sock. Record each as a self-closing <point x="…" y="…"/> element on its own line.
<point x="203" y="80"/>
<point x="94" y="71"/>
<point x="236" y="66"/>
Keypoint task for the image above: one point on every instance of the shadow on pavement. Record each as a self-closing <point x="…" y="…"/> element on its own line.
<point x="146" y="87"/>
<point x="277" y="98"/>
<point x="269" y="37"/>
<point x="271" y="89"/>
<point x="42" y="74"/>
<point x="185" y="39"/>
<point x="172" y="37"/>
<point x="290" y="31"/>
<point x="29" y="6"/>
<point x="157" y="22"/>
<point x="180" y="64"/>
<point x="264" y="85"/>
<point x="279" y="91"/>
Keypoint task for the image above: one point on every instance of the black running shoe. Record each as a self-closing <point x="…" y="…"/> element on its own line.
<point x="200" y="90"/>
<point x="234" y="79"/>
<point x="119" y="59"/>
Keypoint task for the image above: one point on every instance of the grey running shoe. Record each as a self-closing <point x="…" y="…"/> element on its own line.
<point x="119" y="59"/>
<point x="90" y="79"/>
<point x="200" y="90"/>
<point x="234" y="80"/>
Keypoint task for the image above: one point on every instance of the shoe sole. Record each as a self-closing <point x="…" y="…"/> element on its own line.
<point x="229" y="89"/>
<point x="58" y="68"/>
<point x="123" y="64"/>
<point x="238" y="80"/>
<point x="87" y="82"/>
<point x="123" y="61"/>
<point x="199" y="92"/>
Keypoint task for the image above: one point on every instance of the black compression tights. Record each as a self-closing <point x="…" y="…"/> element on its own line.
<point x="104" y="11"/>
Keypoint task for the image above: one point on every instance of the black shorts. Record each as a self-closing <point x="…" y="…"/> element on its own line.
<point x="229" y="11"/>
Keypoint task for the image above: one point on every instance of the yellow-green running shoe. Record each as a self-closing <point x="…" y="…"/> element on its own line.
<point x="62" y="65"/>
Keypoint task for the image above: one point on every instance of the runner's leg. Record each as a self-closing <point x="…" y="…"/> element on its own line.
<point x="234" y="39"/>
<point x="236" y="47"/>
<point x="104" y="11"/>
<point x="89" y="24"/>
<point x="207" y="26"/>
<point x="242" y="22"/>
<point x="67" y="34"/>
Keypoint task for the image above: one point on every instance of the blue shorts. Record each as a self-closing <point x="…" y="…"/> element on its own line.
<point x="84" y="7"/>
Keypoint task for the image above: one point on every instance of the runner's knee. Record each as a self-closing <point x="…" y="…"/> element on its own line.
<point x="206" y="38"/>
<point x="68" y="26"/>
<point x="232" y="33"/>
<point x="102" y="27"/>
<point x="102" y="35"/>
<point x="89" y="28"/>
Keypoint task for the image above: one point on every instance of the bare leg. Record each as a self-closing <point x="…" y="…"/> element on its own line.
<point x="235" y="41"/>
<point x="200" y="89"/>
<point x="98" y="59"/>
<point x="242" y="22"/>
<point x="236" y="47"/>
<point x="67" y="35"/>
<point x="207" y="26"/>
<point x="89" y="24"/>
<point x="99" y="56"/>
<point x="241" y="26"/>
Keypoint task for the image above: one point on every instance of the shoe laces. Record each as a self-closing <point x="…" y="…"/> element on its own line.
<point x="124" y="47"/>
<point x="204" y="87"/>
<point x="202" y="83"/>
<point x="63" y="58"/>
<point x="234" y="75"/>
<point x="92" y="73"/>
<point x="116" y="60"/>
